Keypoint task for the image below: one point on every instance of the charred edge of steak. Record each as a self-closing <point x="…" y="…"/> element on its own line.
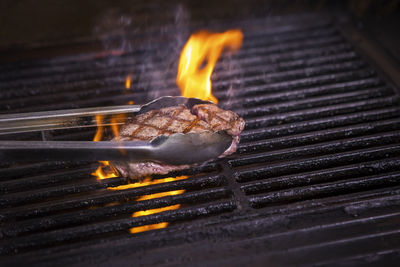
<point x="179" y="119"/>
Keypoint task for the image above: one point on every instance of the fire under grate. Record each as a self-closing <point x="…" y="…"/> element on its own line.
<point x="315" y="180"/>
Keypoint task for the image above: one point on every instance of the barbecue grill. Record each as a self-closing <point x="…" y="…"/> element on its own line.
<point x="315" y="180"/>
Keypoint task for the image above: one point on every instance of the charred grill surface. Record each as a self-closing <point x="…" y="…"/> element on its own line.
<point x="315" y="179"/>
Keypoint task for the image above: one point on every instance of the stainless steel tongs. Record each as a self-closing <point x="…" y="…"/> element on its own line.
<point x="176" y="149"/>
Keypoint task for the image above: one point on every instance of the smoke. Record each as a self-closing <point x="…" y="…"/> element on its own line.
<point x="231" y="68"/>
<point x="153" y="69"/>
<point x="162" y="61"/>
<point x="112" y="28"/>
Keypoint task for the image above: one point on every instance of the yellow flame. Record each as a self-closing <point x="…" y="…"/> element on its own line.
<point x="198" y="59"/>
<point x="105" y="171"/>
<point x="196" y="64"/>
<point x="149" y="227"/>
<point x="128" y="82"/>
<point x="100" y="128"/>
<point x="148" y="181"/>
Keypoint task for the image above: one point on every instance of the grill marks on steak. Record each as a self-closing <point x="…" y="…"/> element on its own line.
<point x="166" y="121"/>
<point x="177" y="119"/>
<point x="219" y="119"/>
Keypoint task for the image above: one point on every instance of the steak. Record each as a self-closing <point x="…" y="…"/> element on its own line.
<point x="171" y="120"/>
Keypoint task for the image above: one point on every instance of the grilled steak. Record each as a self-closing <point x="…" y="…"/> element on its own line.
<point x="177" y="119"/>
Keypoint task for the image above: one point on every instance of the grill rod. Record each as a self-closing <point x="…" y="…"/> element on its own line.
<point x="83" y="117"/>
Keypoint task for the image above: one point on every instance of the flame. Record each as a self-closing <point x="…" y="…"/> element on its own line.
<point x="196" y="64"/>
<point x="116" y="122"/>
<point x="100" y="128"/>
<point x="105" y="171"/>
<point x="128" y="82"/>
<point x="198" y="59"/>
<point x="148" y="181"/>
<point x="149" y="227"/>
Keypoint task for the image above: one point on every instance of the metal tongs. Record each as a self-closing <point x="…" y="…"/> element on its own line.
<point x="176" y="149"/>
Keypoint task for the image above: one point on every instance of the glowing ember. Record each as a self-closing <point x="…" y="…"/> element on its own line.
<point x="198" y="59"/>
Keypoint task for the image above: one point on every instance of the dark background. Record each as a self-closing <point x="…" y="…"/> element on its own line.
<point x="27" y="23"/>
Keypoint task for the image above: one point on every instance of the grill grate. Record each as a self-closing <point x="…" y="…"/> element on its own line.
<point x="322" y="136"/>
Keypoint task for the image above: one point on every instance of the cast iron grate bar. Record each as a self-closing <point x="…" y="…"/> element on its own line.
<point x="28" y="210"/>
<point x="69" y="219"/>
<point x="321" y="176"/>
<point x="74" y="233"/>
<point x="325" y="190"/>
<point x="315" y="137"/>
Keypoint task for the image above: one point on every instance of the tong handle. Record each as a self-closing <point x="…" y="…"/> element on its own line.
<point x="76" y="150"/>
<point x="176" y="149"/>
<point x="83" y="117"/>
<point x="59" y="119"/>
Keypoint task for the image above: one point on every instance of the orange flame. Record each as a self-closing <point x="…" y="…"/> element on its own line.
<point x="149" y="227"/>
<point x="116" y="121"/>
<point x="198" y="59"/>
<point x="148" y="181"/>
<point x="196" y="64"/>
<point x="100" y="128"/>
<point x="128" y="82"/>
<point x="105" y="170"/>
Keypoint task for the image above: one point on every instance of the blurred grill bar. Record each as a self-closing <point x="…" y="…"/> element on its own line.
<point x="110" y="196"/>
<point x="56" y="236"/>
